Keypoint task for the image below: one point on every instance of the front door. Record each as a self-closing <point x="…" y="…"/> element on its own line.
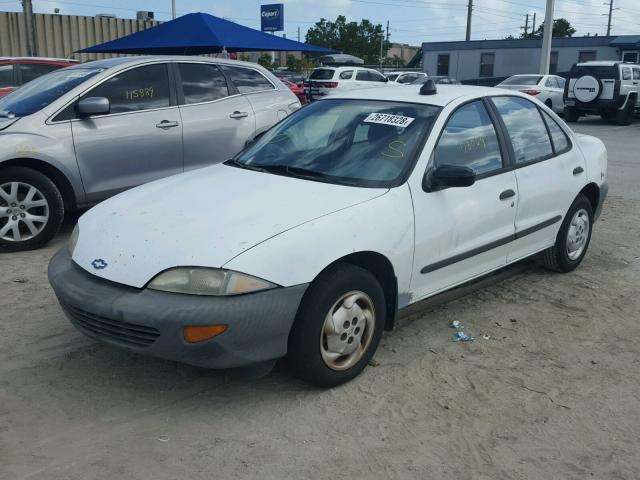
<point x="216" y="125"/>
<point x="140" y="140"/>
<point x="464" y="232"/>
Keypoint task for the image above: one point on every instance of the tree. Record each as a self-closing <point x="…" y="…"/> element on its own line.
<point x="265" y="61"/>
<point x="359" y="39"/>
<point x="561" y="28"/>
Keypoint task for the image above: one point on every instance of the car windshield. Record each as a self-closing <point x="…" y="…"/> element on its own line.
<point x="44" y="90"/>
<point x="365" y="143"/>
<point x="522" y="80"/>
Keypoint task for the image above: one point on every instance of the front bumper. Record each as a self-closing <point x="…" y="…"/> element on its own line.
<point x="151" y="322"/>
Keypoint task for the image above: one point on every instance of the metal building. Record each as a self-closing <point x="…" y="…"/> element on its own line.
<point x="487" y="62"/>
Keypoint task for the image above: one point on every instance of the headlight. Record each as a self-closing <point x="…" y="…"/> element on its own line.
<point x="73" y="239"/>
<point x="207" y="281"/>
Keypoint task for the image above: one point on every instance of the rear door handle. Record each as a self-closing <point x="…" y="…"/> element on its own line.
<point x="507" y="194"/>
<point x="578" y="170"/>
<point x="238" y="114"/>
<point x="166" y="124"/>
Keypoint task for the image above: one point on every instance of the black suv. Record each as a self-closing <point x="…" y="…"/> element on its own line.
<point x="609" y="89"/>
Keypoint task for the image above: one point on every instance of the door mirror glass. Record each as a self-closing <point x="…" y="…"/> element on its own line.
<point x="93" y="106"/>
<point x="446" y="176"/>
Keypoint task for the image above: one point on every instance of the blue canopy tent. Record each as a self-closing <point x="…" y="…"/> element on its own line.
<point x="198" y="33"/>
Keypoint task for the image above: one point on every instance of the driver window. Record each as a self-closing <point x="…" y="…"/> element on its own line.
<point x="141" y="88"/>
<point x="469" y="139"/>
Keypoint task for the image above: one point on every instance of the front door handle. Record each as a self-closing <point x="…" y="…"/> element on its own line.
<point x="166" y="124"/>
<point x="578" y="170"/>
<point x="507" y="194"/>
<point x="238" y="114"/>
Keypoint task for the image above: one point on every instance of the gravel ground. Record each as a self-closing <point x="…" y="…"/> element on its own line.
<point x="553" y="393"/>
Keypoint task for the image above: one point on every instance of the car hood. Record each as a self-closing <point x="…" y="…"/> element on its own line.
<point x="202" y="218"/>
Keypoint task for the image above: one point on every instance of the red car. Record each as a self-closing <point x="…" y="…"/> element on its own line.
<point x="16" y="71"/>
<point x="297" y="90"/>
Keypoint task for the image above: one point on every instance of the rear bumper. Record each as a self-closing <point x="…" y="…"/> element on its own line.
<point x="596" y="106"/>
<point x="604" y="190"/>
<point x="151" y="322"/>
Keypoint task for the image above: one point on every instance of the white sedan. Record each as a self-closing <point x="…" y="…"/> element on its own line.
<point x="309" y="242"/>
<point x="546" y="88"/>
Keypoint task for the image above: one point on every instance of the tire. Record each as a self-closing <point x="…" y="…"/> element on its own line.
<point x="36" y="224"/>
<point x="571" y="114"/>
<point x="310" y="343"/>
<point x="560" y="258"/>
<point x="623" y="117"/>
<point x="607" y="114"/>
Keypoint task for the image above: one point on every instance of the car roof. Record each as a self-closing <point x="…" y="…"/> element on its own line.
<point x="136" y="60"/>
<point x="37" y="59"/>
<point x="394" y="93"/>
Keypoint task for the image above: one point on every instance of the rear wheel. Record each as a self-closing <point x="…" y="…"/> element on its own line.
<point x="571" y="114"/>
<point x="338" y="326"/>
<point x="31" y="209"/>
<point x="573" y="238"/>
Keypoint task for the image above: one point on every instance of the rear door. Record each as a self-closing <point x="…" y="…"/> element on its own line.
<point x="269" y="104"/>
<point x="138" y="141"/>
<point x="550" y="172"/>
<point x="216" y="120"/>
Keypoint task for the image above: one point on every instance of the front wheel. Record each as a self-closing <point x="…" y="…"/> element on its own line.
<point x="31" y="209"/>
<point x="338" y="326"/>
<point x="573" y="238"/>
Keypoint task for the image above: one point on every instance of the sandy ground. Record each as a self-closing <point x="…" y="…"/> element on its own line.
<point x="554" y="393"/>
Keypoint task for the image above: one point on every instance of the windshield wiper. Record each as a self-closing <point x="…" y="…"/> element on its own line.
<point x="7" y="114"/>
<point x="293" y="171"/>
<point x="235" y="163"/>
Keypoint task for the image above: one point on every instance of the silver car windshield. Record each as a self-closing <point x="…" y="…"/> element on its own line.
<point x="42" y="91"/>
<point x="355" y="142"/>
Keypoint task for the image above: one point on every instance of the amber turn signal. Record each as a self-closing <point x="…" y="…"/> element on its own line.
<point x="202" y="333"/>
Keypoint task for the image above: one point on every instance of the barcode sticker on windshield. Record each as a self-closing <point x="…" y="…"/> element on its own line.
<point x="386" y="119"/>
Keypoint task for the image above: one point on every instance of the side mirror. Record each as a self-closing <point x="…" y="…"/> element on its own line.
<point x="446" y="176"/>
<point x="93" y="106"/>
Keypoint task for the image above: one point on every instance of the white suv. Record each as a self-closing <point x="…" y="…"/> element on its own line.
<point x="609" y="89"/>
<point x="324" y="81"/>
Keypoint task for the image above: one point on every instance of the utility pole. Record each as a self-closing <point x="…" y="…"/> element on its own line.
<point x="173" y="9"/>
<point x="526" y="26"/>
<point x="387" y="30"/>
<point x="469" y="10"/>
<point x="298" y="33"/>
<point x="611" y="9"/>
<point x="533" y="25"/>
<point x="27" y="13"/>
<point x="545" y="53"/>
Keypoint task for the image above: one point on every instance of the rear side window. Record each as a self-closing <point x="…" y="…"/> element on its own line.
<point x="346" y="75"/>
<point x="141" y="88"/>
<point x="552" y="82"/>
<point x="248" y="80"/>
<point x="31" y="71"/>
<point x="558" y="137"/>
<point x="376" y="77"/>
<point x="525" y="127"/>
<point x="626" y="73"/>
<point x="323" y="74"/>
<point x="6" y="76"/>
<point x="202" y="83"/>
<point x="362" y="75"/>
<point x="636" y="73"/>
<point x="469" y="139"/>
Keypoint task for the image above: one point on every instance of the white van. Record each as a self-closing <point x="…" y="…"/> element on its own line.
<point x="324" y="81"/>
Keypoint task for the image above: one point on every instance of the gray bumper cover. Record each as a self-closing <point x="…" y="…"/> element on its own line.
<point x="258" y="323"/>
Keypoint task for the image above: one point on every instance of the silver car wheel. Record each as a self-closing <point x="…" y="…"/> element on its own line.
<point x="578" y="234"/>
<point x="347" y="331"/>
<point x="24" y="211"/>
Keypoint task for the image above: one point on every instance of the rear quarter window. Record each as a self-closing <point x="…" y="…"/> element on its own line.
<point x="322" y="74"/>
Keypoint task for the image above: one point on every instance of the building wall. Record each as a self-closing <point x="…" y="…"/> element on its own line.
<point x="403" y="51"/>
<point x="465" y="64"/>
<point x="61" y="35"/>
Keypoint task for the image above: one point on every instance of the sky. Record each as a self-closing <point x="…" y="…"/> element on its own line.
<point x="410" y="21"/>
